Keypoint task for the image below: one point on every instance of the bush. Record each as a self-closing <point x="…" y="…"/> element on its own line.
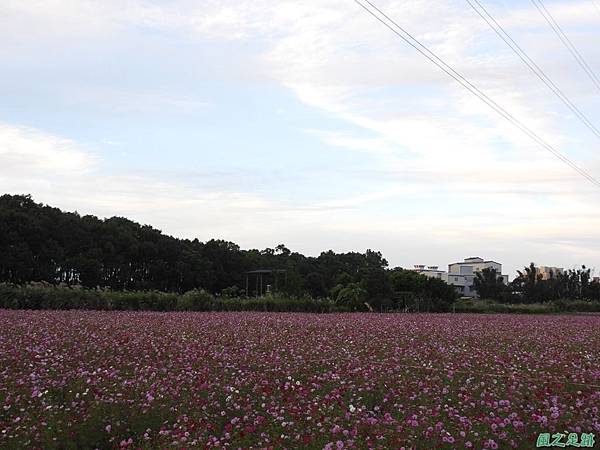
<point x="577" y="305"/>
<point x="196" y="300"/>
<point x="41" y="296"/>
<point x="278" y="303"/>
<point x="491" y="306"/>
<point x="45" y="296"/>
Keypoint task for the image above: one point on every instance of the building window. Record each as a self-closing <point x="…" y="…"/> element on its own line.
<point x="466" y="270"/>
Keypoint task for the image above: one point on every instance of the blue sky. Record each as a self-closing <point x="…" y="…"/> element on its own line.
<point x="305" y="123"/>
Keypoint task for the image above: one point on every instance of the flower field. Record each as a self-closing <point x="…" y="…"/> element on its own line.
<point x="75" y="379"/>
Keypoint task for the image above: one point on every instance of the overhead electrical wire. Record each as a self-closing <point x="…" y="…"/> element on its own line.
<point x="441" y="64"/>
<point x="567" y="42"/>
<point x="480" y="9"/>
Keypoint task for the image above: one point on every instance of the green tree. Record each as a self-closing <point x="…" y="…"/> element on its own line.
<point x="353" y="296"/>
<point x="529" y="284"/>
<point x="489" y="284"/>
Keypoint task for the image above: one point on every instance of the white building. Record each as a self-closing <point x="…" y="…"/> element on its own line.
<point x="547" y="272"/>
<point x="431" y="272"/>
<point x="462" y="274"/>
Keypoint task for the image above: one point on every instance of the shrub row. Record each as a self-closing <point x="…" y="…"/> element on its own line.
<point x="491" y="306"/>
<point x="43" y="296"/>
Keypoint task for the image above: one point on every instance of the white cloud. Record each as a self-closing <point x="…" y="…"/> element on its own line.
<point x="73" y="181"/>
<point x="336" y="58"/>
<point x="27" y="151"/>
<point x="60" y="172"/>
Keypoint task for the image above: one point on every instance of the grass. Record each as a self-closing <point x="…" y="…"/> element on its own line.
<point x="47" y="297"/>
<point x="493" y="307"/>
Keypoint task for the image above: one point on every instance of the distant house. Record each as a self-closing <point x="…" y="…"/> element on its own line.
<point x="462" y="274"/>
<point x="431" y="271"/>
<point x="547" y="272"/>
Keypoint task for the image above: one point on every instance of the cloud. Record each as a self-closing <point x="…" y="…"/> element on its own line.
<point x="347" y="64"/>
<point x="375" y="218"/>
<point x="61" y="172"/>
<point x="25" y="151"/>
<point x="442" y="173"/>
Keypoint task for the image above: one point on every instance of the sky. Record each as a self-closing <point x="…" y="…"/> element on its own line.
<point x="306" y="123"/>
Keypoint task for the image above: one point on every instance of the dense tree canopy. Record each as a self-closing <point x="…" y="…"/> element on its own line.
<point x="530" y="286"/>
<point x="572" y="284"/>
<point x="489" y="284"/>
<point x="42" y="243"/>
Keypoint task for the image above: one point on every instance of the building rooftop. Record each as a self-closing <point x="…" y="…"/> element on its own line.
<point x="424" y="268"/>
<point x="473" y="260"/>
<point x="266" y="271"/>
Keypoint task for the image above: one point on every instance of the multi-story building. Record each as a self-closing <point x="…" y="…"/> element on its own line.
<point x="462" y="274"/>
<point x="431" y="271"/>
<point x="549" y="272"/>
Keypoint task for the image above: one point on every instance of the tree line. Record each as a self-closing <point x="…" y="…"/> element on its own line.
<point x="40" y="243"/>
<point x="530" y="286"/>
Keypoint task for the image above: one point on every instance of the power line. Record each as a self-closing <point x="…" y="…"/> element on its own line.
<point x="516" y="48"/>
<point x="567" y="42"/>
<point x="417" y="45"/>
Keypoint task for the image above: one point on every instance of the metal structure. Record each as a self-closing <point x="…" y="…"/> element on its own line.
<point x="260" y="276"/>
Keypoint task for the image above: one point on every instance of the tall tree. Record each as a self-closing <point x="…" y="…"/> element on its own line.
<point x="489" y="284"/>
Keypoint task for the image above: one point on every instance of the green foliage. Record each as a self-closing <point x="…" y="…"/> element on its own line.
<point x="559" y="306"/>
<point x="231" y="291"/>
<point x="416" y="292"/>
<point x="41" y="296"/>
<point x="573" y="284"/>
<point x="353" y="296"/>
<point x="196" y="300"/>
<point x="489" y="284"/>
<point x="39" y="243"/>
<point x="491" y="306"/>
<point x="350" y="298"/>
<point x="564" y="305"/>
<point x="124" y="265"/>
